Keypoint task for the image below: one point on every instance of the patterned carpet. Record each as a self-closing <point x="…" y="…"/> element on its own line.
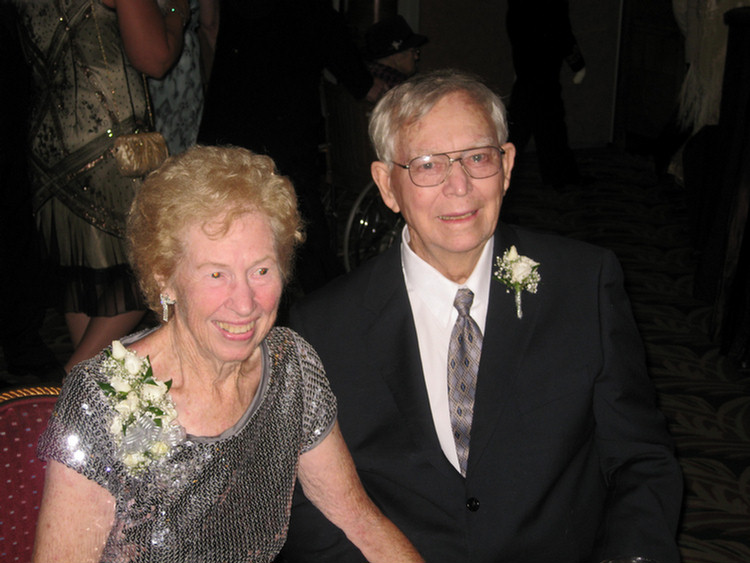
<point x="704" y="395"/>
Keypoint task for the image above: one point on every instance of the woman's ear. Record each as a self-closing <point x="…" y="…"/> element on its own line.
<point x="162" y="283"/>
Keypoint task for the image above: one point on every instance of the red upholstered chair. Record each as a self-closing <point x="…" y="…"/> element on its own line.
<point x="23" y="416"/>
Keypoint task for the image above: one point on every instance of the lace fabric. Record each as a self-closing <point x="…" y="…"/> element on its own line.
<point x="217" y="499"/>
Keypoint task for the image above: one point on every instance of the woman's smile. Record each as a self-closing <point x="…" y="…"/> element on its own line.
<point x="235" y="328"/>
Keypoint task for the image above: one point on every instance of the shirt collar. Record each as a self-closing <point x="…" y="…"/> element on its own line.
<point x="438" y="291"/>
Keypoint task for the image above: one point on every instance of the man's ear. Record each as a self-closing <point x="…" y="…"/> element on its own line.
<point x="381" y="174"/>
<point x="508" y="159"/>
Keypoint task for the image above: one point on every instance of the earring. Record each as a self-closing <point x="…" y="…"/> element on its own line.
<point x="165" y="301"/>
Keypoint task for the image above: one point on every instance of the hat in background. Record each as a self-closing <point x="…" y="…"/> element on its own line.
<point x="390" y="36"/>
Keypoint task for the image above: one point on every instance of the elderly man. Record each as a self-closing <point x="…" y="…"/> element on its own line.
<point x="491" y="380"/>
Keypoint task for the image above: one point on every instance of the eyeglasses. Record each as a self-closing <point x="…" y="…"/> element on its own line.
<point x="432" y="169"/>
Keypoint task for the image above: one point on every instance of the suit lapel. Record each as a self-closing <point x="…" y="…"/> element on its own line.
<point x="506" y="338"/>
<point x="395" y="354"/>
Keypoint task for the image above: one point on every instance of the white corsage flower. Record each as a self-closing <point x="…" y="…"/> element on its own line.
<point x="118" y="350"/>
<point x="144" y="426"/>
<point x="128" y="405"/>
<point x="120" y="384"/>
<point x="159" y="449"/>
<point x="116" y="426"/>
<point x="134" y="460"/>
<point x="518" y="273"/>
<point x="153" y="392"/>
<point x="133" y="364"/>
<point x="170" y="414"/>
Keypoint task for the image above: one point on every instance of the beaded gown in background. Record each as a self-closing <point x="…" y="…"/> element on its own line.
<point x="209" y="500"/>
<point x="177" y="99"/>
<point x="86" y="94"/>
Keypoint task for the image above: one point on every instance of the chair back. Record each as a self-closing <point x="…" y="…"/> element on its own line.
<point x="24" y="414"/>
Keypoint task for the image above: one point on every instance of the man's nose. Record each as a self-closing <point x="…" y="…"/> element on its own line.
<point x="458" y="180"/>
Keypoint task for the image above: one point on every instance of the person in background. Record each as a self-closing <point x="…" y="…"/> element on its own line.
<point x="87" y="58"/>
<point x="182" y="443"/>
<point x="177" y="98"/>
<point x="541" y="38"/>
<point x="491" y="381"/>
<point x="392" y="50"/>
<point x="264" y="95"/>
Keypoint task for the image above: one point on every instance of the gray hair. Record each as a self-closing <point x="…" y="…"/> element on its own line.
<point x="410" y="101"/>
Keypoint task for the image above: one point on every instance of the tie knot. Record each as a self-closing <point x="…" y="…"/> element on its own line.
<point x="463" y="301"/>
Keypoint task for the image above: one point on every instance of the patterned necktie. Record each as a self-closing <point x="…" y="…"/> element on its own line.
<point x="463" y="364"/>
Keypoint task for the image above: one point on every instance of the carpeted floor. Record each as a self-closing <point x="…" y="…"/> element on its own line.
<point x="704" y="395"/>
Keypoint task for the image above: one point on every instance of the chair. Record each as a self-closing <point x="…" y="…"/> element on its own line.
<point x="24" y="414"/>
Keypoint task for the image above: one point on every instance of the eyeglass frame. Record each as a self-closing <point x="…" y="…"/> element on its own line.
<point x="451" y="160"/>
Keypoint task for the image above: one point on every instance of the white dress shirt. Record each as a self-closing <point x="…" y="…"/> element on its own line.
<point x="431" y="296"/>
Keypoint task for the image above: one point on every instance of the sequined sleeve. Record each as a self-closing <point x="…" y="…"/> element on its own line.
<point x="319" y="413"/>
<point x="77" y="435"/>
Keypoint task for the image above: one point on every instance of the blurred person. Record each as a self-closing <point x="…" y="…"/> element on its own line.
<point x="86" y="58"/>
<point x="392" y="50"/>
<point x="541" y="38"/>
<point x="177" y="97"/>
<point x="264" y="95"/>
<point x="183" y="442"/>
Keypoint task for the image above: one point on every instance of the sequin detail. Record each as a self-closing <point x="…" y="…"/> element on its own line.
<point x="224" y="498"/>
<point x="83" y="102"/>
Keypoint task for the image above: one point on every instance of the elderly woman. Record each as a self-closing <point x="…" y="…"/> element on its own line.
<point x="183" y="443"/>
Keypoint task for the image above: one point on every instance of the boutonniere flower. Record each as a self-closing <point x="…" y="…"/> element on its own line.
<point x="144" y="426"/>
<point x="518" y="273"/>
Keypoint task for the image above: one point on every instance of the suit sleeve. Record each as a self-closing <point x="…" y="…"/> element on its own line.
<point x="311" y="536"/>
<point x="643" y="477"/>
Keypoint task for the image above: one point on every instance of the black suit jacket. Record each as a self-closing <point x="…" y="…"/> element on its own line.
<point x="569" y="458"/>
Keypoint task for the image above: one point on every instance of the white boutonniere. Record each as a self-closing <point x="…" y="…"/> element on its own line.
<point x="518" y="273"/>
<point x="144" y="426"/>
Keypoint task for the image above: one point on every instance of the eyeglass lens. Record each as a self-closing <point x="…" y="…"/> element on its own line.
<point x="431" y="170"/>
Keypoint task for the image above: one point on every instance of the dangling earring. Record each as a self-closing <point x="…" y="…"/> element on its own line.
<point x="165" y="301"/>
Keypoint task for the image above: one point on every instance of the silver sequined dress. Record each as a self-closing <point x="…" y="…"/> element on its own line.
<point x="219" y="499"/>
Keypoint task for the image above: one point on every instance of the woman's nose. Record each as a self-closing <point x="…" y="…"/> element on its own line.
<point x="242" y="298"/>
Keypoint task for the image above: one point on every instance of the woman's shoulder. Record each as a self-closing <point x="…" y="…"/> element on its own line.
<point x="141" y="339"/>
<point x="282" y="338"/>
<point x="139" y="335"/>
<point x="284" y="343"/>
<point x="90" y="370"/>
<point x="82" y="392"/>
<point x="98" y="368"/>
